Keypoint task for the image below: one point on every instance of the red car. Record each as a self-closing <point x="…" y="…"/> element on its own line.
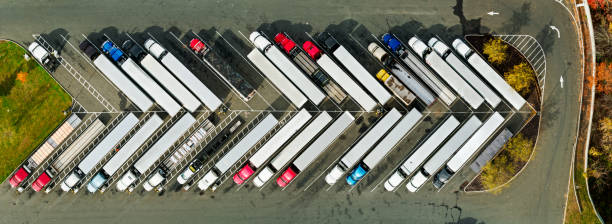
<point x="19" y="176"/>
<point x="197" y="45"/>
<point x="285" y="42"/>
<point x="312" y="50"/>
<point x="42" y="180"/>
<point x="286" y="177"/>
<point x="243" y="174"/>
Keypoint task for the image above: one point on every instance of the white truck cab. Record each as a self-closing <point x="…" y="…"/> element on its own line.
<point x="125" y="181"/>
<point x="155" y="180"/>
<point x="263" y="177"/>
<point x="394" y="180"/>
<point x="39" y="53"/>
<point x="208" y="180"/>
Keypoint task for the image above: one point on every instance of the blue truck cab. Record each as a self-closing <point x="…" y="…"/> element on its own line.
<point x="356" y="175"/>
<point x="113" y="51"/>
<point x="392" y="43"/>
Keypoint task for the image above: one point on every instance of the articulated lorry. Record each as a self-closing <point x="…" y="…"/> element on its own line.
<point x="489" y="74"/>
<point x="287" y="67"/>
<point x="162" y="145"/>
<point x="267" y="150"/>
<point x="45" y="150"/>
<point x="66" y="157"/>
<point x="316" y="148"/>
<point x="449" y="148"/>
<point x="445" y="52"/>
<point x="420" y="154"/>
<point x="362" y="146"/>
<point x="124" y="153"/>
<point x="468" y="150"/>
<point x="292" y="149"/>
<point x="446" y="72"/>
<point x="396" y="86"/>
<point x="302" y="60"/>
<point x="94" y="157"/>
<point x="237" y="151"/>
<point x="201" y="91"/>
<point x="401" y="73"/>
<point x="384" y="147"/>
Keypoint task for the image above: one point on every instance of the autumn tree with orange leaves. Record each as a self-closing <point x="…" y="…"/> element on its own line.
<point x="603" y="77"/>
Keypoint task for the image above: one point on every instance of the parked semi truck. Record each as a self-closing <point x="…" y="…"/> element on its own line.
<point x="420" y="154"/>
<point x="361" y="147"/>
<point x="66" y="157"/>
<point x="236" y="152"/>
<point x="267" y="150"/>
<point x="277" y="78"/>
<point x="201" y="91"/>
<point x="316" y="148"/>
<point x="402" y="74"/>
<point x="449" y="148"/>
<point x="45" y="150"/>
<point x="139" y="76"/>
<point x="445" y="52"/>
<point x="384" y="147"/>
<point x="94" y="157"/>
<point x="292" y="149"/>
<point x="220" y="66"/>
<point x="124" y="153"/>
<point x="40" y="53"/>
<point x="117" y="77"/>
<point x="354" y="67"/>
<point x="309" y="67"/>
<point x="396" y="86"/>
<point x="489" y="74"/>
<point x="447" y="73"/>
<point x="287" y="67"/>
<point x="155" y="152"/>
<point x="468" y="149"/>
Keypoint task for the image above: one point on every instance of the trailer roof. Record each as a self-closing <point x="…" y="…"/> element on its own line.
<point x="78" y="145"/>
<point x="123" y="83"/>
<point x="151" y="87"/>
<point x="356" y="92"/>
<point x="454" y="80"/>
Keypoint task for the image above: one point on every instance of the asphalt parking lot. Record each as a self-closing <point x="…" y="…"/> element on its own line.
<point x="537" y="196"/>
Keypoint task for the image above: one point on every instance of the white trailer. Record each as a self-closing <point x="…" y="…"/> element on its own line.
<point x="181" y="72"/>
<point x="105" y="145"/>
<point x="446" y="72"/>
<point x="489" y="74"/>
<point x="292" y="148"/>
<point x="468" y="149"/>
<point x="384" y="147"/>
<point x="277" y="78"/>
<point x="446" y="151"/>
<point x="465" y="72"/>
<point x="157" y="150"/>
<point x="123" y="83"/>
<point x="158" y="94"/>
<point x="420" y="154"/>
<point x="362" y="146"/>
<point x="237" y="151"/>
<point x="125" y="153"/>
<point x="287" y="67"/>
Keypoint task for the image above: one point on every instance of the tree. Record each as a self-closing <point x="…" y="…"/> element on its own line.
<point x="605" y="129"/>
<point x="520" y="77"/>
<point x="496" y="50"/>
<point x="604" y="78"/>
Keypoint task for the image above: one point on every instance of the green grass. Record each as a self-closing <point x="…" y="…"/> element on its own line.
<point x="573" y="213"/>
<point x="29" y="110"/>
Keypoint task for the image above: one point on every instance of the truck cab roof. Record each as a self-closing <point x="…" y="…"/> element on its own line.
<point x="356" y="175"/>
<point x="392" y="42"/>
<point x="154" y="48"/>
<point x="418" y="46"/>
<point x="263" y="177"/>
<point x="208" y="180"/>
<point x="462" y="48"/>
<point x="38" y="52"/>
<point x="127" y="179"/>
<point x="96" y="182"/>
<point x="259" y="41"/>
<point x="72" y="179"/>
<point x="41" y="181"/>
<point x="328" y="42"/>
<point x="394" y="180"/>
<point x="416" y="182"/>
<point x="19" y="176"/>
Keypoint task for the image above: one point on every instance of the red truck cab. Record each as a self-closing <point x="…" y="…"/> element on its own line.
<point x="286" y="177"/>
<point x="312" y="50"/>
<point x="197" y="45"/>
<point x="19" y="176"/>
<point x="243" y="174"/>
<point x="41" y="181"/>
<point x="284" y="42"/>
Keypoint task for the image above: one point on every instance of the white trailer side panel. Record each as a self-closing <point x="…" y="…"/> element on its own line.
<point x="277" y="78"/>
<point x="421" y="70"/>
<point x="363" y="76"/>
<point x="194" y="84"/>
<point x="280" y="138"/>
<point x="133" y="144"/>
<point x="450" y="147"/>
<point x="301" y="140"/>
<point x="163" y="143"/>
<point x="454" y="80"/>
<point x="356" y="92"/>
<point x="496" y="81"/>
<point x="123" y="83"/>
<point x="110" y="140"/>
<point x="473" y="144"/>
<point x="392" y="139"/>
<point x="166" y="79"/>
<point x="430" y="145"/>
<point x="324" y="140"/>
<point x="78" y="145"/>
<point x="412" y="83"/>
<point x="370" y="138"/>
<point x="246" y="143"/>
<point x="486" y="92"/>
<point x="149" y="85"/>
